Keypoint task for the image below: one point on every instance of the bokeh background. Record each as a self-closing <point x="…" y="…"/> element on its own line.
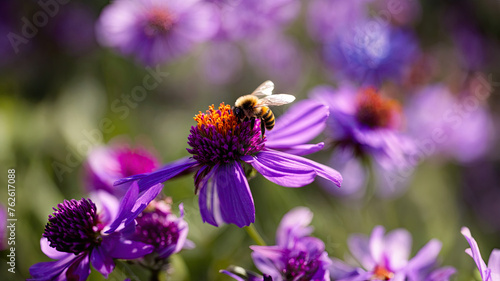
<point x="61" y="84"/>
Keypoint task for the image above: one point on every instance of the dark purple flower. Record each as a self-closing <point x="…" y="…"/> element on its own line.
<point x="490" y="272"/>
<point x="107" y="164"/>
<point x="386" y="257"/>
<point x="221" y="144"/>
<point x="296" y="255"/>
<point x="159" y="227"/>
<point x="156" y="31"/>
<point x="370" y="53"/>
<point x="364" y="123"/>
<point x="459" y="128"/>
<point x="78" y="233"/>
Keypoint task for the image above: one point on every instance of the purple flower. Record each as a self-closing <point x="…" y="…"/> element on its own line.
<point x="156" y="31"/>
<point x="296" y="255"/>
<point x="105" y="165"/>
<point x="458" y="128"/>
<point x="363" y="123"/>
<point x="220" y="144"/>
<point x="490" y="272"/>
<point x="159" y="227"/>
<point x="386" y="257"/>
<point x="78" y="233"/>
<point x="370" y="53"/>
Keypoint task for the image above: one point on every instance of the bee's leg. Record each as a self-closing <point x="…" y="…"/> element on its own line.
<point x="252" y="123"/>
<point x="262" y="127"/>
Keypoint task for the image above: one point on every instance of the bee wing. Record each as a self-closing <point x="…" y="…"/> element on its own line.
<point x="275" y="100"/>
<point x="265" y="89"/>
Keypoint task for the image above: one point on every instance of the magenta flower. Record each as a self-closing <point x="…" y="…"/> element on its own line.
<point x="221" y="144"/>
<point x="363" y="123"/>
<point x="78" y="233"/>
<point x="296" y="255"/>
<point x="156" y="31"/>
<point x="490" y="272"/>
<point x="105" y="165"/>
<point x="386" y="257"/>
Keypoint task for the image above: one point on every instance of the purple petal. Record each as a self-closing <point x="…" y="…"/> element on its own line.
<point x="107" y="204"/>
<point x="133" y="203"/>
<point x="397" y="247"/>
<point x="290" y="170"/>
<point x="340" y="270"/>
<point x="167" y="172"/>
<point x="360" y="248"/>
<point x="234" y="276"/>
<point x="117" y="248"/>
<point x="474" y="252"/>
<point x="52" y="252"/>
<point x="300" y="124"/>
<point x="79" y="269"/>
<point x="101" y="261"/>
<point x="376" y="244"/>
<point x="55" y="270"/>
<point x="441" y="274"/>
<point x="268" y="259"/>
<point x="301" y="149"/>
<point x="426" y="256"/>
<point x="295" y="224"/>
<point x="494" y="264"/>
<point x="225" y="196"/>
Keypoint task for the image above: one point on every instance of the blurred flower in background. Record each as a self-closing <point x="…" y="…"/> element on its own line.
<point x="107" y="164"/>
<point x="363" y="124"/>
<point x="156" y="31"/>
<point x="387" y="257"/>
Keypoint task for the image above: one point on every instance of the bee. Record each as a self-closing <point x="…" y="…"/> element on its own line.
<point x="256" y="105"/>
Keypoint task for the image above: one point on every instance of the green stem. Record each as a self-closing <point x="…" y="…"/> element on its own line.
<point x="254" y="234"/>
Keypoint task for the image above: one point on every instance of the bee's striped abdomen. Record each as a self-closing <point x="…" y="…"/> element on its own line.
<point x="267" y="117"/>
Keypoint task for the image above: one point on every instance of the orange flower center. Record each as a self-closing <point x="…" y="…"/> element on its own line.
<point x="223" y="120"/>
<point x="158" y="21"/>
<point x="382" y="273"/>
<point x="375" y="111"/>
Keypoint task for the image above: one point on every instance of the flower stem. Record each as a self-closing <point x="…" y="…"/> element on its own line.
<point x="254" y="234"/>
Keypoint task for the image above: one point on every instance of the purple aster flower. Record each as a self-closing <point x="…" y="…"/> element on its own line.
<point x="221" y="144"/>
<point x="159" y="227"/>
<point x="452" y="128"/>
<point x="490" y="272"/>
<point x="385" y="257"/>
<point x="78" y="234"/>
<point x="105" y="165"/>
<point x="296" y="255"/>
<point x="363" y="123"/>
<point x="156" y="31"/>
<point x="370" y="53"/>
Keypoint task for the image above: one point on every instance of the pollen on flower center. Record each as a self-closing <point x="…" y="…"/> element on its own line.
<point x="158" y="21"/>
<point x="300" y="267"/>
<point x="374" y="111"/>
<point x="73" y="227"/>
<point x="382" y="273"/>
<point x="219" y="136"/>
